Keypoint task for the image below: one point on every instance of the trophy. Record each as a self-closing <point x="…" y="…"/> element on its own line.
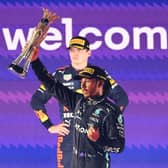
<point x="37" y="37"/>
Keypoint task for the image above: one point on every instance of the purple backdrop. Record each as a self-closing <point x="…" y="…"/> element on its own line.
<point x="142" y="72"/>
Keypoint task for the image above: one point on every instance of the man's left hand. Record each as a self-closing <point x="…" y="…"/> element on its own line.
<point x="93" y="134"/>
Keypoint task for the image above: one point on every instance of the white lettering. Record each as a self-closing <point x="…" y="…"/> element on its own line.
<point x="80" y="129"/>
<point x="18" y="36"/>
<point x="125" y="38"/>
<point x="137" y="31"/>
<point x="68" y="115"/>
<point x="84" y="32"/>
<point x="54" y="37"/>
<point x="68" y="29"/>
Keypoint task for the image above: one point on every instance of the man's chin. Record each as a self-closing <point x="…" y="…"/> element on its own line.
<point x="85" y="95"/>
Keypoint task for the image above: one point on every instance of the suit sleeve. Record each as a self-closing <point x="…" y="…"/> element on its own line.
<point x="38" y="101"/>
<point x="116" y="93"/>
<point x="66" y="96"/>
<point x="114" y="133"/>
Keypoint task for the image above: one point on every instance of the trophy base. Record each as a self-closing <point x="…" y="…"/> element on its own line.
<point x="17" y="70"/>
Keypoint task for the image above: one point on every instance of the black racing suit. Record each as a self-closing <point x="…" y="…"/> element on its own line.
<point x="41" y="97"/>
<point x="99" y="113"/>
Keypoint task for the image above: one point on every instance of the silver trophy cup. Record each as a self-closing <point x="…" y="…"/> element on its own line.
<point x="20" y="65"/>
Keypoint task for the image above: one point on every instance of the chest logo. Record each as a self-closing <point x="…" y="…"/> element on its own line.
<point x="97" y="112"/>
<point x="67" y="77"/>
<point x="120" y="119"/>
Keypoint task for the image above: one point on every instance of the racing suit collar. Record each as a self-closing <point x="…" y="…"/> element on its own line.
<point x="95" y="100"/>
<point x="77" y="71"/>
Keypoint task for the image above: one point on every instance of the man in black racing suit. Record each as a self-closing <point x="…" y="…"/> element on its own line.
<point x="98" y="124"/>
<point x="65" y="76"/>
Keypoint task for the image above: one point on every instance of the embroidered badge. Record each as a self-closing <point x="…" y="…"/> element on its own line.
<point x="120" y="119"/>
<point x="67" y="77"/>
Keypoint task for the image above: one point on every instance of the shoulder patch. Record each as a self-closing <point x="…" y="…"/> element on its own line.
<point x="112" y="81"/>
<point x="41" y="115"/>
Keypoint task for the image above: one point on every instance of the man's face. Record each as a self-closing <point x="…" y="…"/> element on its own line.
<point x="90" y="87"/>
<point x="79" y="56"/>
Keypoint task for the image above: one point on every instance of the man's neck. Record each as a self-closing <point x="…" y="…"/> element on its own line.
<point x="79" y="67"/>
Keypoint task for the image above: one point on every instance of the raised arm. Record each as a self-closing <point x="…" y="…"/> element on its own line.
<point x="66" y="96"/>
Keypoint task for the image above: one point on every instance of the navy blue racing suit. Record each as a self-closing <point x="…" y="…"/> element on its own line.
<point x="65" y="76"/>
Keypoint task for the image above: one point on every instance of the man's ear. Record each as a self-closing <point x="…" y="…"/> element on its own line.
<point x="100" y="83"/>
<point x="89" y="53"/>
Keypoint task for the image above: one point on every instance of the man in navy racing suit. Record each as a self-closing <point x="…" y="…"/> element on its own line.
<point x="65" y="75"/>
<point x="98" y="124"/>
